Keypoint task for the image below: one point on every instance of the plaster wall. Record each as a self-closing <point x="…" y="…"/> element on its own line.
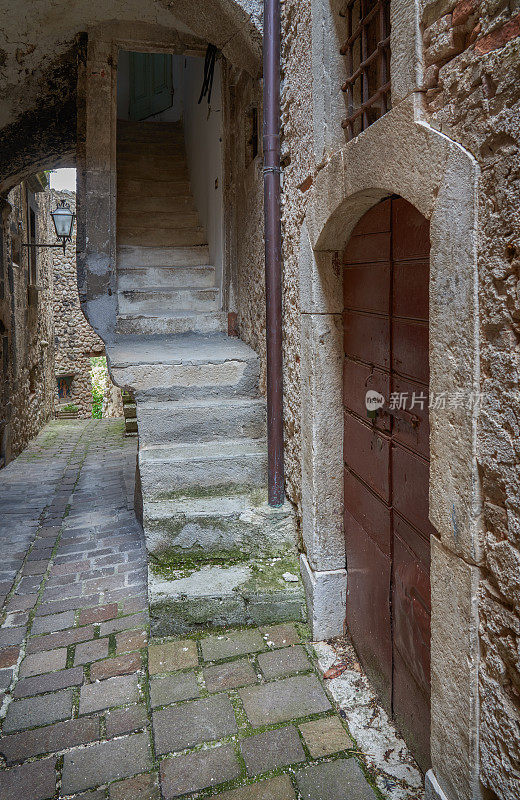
<point x="203" y="139"/>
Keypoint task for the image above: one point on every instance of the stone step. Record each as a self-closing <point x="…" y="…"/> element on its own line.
<point x="167" y="145"/>
<point x="159" y="219"/>
<point x="219" y="595"/>
<point x="165" y="277"/>
<point x="130" y="186"/>
<point x="160" y="301"/>
<point x="139" y="256"/>
<point x="159" y="172"/>
<point x="128" y="130"/>
<point x="202" y="420"/>
<point x="189" y="367"/>
<point x="173" y="324"/>
<point x="179" y="470"/>
<point x="216" y="527"/>
<point x="176" y="204"/>
<point x="144" y="156"/>
<point x="161" y="237"/>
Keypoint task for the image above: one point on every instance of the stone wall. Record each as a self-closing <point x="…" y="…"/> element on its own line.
<point x="472" y="56"/>
<point x="26" y="322"/>
<point x="75" y="340"/>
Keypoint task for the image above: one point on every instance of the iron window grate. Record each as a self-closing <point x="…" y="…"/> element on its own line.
<point x="367" y="53"/>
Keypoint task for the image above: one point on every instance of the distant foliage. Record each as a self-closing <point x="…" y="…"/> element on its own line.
<point x="99" y="375"/>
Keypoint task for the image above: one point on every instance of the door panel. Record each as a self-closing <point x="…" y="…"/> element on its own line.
<point x="387" y="530"/>
<point x="368" y="589"/>
<point x="367" y="454"/>
<point x="367" y="338"/>
<point x="358" y="378"/>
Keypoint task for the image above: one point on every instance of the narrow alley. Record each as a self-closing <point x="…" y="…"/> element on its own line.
<point x="89" y="711"/>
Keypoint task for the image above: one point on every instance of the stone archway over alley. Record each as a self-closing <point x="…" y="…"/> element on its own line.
<point x="89" y="710"/>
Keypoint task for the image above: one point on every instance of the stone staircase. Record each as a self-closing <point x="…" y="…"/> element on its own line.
<point x="217" y="552"/>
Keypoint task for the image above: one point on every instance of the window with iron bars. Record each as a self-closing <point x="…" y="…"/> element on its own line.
<point x="367" y="54"/>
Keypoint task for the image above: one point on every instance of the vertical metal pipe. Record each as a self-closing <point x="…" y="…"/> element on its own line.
<point x="273" y="250"/>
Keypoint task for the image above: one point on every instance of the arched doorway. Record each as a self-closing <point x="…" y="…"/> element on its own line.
<point x="386" y="459"/>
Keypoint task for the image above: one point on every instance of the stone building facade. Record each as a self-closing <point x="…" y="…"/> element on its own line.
<point x="26" y="319"/>
<point x="448" y="147"/>
<point x="75" y="341"/>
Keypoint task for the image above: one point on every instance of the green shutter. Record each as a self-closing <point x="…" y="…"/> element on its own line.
<point x="151" y="87"/>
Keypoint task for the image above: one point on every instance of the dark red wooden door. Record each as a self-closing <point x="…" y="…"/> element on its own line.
<point x="387" y="531"/>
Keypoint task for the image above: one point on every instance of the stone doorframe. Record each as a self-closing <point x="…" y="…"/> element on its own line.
<point x="96" y="144"/>
<point x="399" y="154"/>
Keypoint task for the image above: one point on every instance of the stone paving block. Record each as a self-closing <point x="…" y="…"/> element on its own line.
<point x="170" y="656"/>
<point x="21" y="602"/>
<point x="124" y="623"/>
<point x="38" y="711"/>
<point x="325" y="736"/>
<point x="6" y="676"/>
<point x="93" y="766"/>
<point x="53" y="622"/>
<point x="186" y="724"/>
<point x="334" y="780"/>
<point x="91" y="651"/>
<point x="99" y="614"/>
<point x="60" y="639"/>
<point x="10" y="636"/>
<point x="46" y="661"/>
<point x="266" y="751"/>
<point x="35" y="781"/>
<point x="284" y="700"/>
<point x="105" y="694"/>
<point x="142" y="787"/>
<point x="234" y="644"/>
<point x="173" y="688"/>
<point x="283" y="635"/>
<point x="9" y="656"/>
<point x="229" y="676"/>
<point x="279" y="788"/>
<point x="283" y="662"/>
<point x="196" y="771"/>
<point x="130" y="640"/>
<point x="51" y="739"/>
<point x="95" y="794"/>
<point x="120" y="665"/>
<point x="126" y="720"/>
<point x="51" y="682"/>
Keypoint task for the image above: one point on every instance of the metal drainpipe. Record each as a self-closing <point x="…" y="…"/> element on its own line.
<point x="273" y="250"/>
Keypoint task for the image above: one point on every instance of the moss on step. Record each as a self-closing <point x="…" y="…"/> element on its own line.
<point x="257" y="496"/>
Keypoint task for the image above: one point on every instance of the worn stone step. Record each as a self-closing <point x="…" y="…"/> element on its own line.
<point x="161" y="219"/>
<point x="202" y="420"/>
<point x="169" y="470"/>
<point x="200" y="277"/>
<point x="189" y="367"/>
<point x="161" y="237"/>
<point x="166" y="146"/>
<point x="163" y="301"/>
<point x="219" y="595"/>
<point x="167" y="171"/>
<point x="139" y="256"/>
<point x="135" y="203"/>
<point x="174" y="324"/>
<point x="129" y="130"/>
<point x="207" y="528"/>
<point x="130" y="186"/>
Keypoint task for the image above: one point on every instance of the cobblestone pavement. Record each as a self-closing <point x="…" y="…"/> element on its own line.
<point x="88" y="709"/>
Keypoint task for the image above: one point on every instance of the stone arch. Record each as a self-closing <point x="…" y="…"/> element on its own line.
<point x="399" y="155"/>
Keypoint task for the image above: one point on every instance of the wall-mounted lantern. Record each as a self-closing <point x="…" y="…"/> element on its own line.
<point x="63" y="218"/>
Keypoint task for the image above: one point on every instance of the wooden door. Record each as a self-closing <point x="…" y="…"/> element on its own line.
<point x="386" y="456"/>
<point x="151" y="84"/>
